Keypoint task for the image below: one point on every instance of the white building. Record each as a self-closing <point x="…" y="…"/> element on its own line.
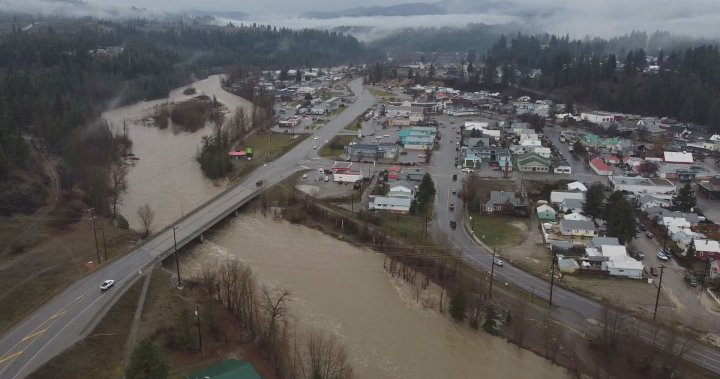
<point x="348" y="176"/>
<point x="660" y="188"/>
<point x="616" y="261"/>
<point x="557" y="197"/>
<point x="391" y="204"/>
<point x="576" y="186"/>
<point x="543" y="151"/>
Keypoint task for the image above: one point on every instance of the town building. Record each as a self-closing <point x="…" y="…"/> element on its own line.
<point x="658" y="187"/>
<point x="600" y="167"/>
<point x="502" y="202"/>
<point x="546" y="213"/>
<point x="578" y="228"/>
<point x="532" y="162"/>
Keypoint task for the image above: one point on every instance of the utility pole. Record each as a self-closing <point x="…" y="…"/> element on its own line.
<point x="177" y="259"/>
<point x="552" y="279"/>
<point x="104" y="245"/>
<point x="705" y="274"/>
<point x="92" y="221"/>
<point x="492" y="271"/>
<point x="197" y="315"/>
<point x="657" y="298"/>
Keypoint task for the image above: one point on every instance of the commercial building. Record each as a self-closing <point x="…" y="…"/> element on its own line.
<point x="532" y="162"/>
<point x="660" y="188"/>
<point x="600" y="167"/>
<point x="348" y="176"/>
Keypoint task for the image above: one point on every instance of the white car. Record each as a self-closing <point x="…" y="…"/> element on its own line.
<point x="467" y="170"/>
<point x="315" y="147"/>
<point x="498" y="262"/>
<point x="422" y="156"/>
<point x="106" y="285"/>
<point x="315" y="138"/>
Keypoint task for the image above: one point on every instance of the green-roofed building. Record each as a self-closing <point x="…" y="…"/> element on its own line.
<point x="229" y="369"/>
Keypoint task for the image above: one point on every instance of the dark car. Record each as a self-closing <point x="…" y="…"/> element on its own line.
<point x="453" y="225"/>
<point x="454" y="177"/>
<point x="692" y="281"/>
<point x="259" y="183"/>
<point x="452" y="206"/>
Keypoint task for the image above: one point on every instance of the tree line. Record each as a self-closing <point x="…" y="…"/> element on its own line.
<point x="685" y="85"/>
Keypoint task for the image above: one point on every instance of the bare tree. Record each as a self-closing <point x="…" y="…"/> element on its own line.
<point x="146" y="216"/>
<point x="275" y="312"/>
<point x="551" y="339"/>
<point x="326" y="358"/>
<point x="118" y="183"/>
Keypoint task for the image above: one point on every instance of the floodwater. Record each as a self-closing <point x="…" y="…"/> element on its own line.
<point x="167" y="177"/>
<point x="344" y="290"/>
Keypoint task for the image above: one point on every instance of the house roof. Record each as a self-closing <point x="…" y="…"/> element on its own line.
<point x="576" y="186"/>
<point x="678" y="157"/>
<point x="613" y="252"/>
<point x="600" y="165"/>
<point x="707" y="246"/>
<point x="559" y="196"/>
<point x="575" y="216"/>
<point x="545" y="208"/>
<point x="577" y="225"/>
<point x="528" y="158"/>
<point x="603" y="241"/>
<point x="229" y="369"/>
<point x="502" y="197"/>
<point x="391" y="201"/>
<point x="573" y="203"/>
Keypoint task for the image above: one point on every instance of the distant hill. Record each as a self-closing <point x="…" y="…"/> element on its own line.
<point x="407" y="9"/>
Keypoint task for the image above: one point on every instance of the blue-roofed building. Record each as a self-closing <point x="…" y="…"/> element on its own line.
<point x="228" y="369"/>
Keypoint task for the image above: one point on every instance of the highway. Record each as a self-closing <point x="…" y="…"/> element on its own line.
<point x="69" y="316"/>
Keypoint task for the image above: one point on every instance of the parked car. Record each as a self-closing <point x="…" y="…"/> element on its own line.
<point x="106" y="285"/>
<point x="454" y="191"/>
<point x="692" y="281"/>
<point x="649" y="235"/>
<point x="467" y="170"/>
<point x="640" y="255"/>
<point x="642" y="227"/>
<point x="421" y="155"/>
<point x="661" y="256"/>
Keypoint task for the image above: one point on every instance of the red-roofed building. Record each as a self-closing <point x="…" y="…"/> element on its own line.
<point x="394" y="173"/>
<point x="237" y="154"/>
<point x="341" y="167"/>
<point x="600" y="167"/>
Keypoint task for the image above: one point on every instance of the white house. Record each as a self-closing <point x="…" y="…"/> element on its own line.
<point x="557" y="197"/>
<point x="616" y="261"/>
<point x="392" y="204"/>
<point x="576" y="186"/>
<point x="578" y="228"/>
<point x="543" y="151"/>
<point x="574" y="216"/>
<point x="677" y="157"/>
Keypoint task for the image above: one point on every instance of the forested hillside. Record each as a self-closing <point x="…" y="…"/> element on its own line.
<point x="686" y="85"/>
<point x="55" y="81"/>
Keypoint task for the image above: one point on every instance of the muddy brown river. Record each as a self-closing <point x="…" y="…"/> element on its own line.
<point x="344" y="290"/>
<point x="167" y="177"/>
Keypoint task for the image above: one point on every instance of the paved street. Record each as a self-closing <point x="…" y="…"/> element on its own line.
<point x="67" y="317"/>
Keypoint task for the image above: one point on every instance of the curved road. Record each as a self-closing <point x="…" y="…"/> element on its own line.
<point x="573" y="310"/>
<point x="69" y="316"/>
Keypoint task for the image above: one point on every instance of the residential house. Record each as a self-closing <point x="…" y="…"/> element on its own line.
<point x="707" y="249"/>
<point x="543" y="151"/>
<point x="390" y="204"/>
<point x="402" y="190"/>
<point x="618" y="263"/>
<point x="578" y="228"/>
<point x="557" y="197"/>
<point x="710" y="188"/>
<point x="546" y="213"/>
<point x="600" y="167"/>
<point x="648" y="201"/>
<point x="572" y="205"/>
<point x="677" y="157"/>
<point x="576" y="186"/>
<point x="502" y="202"/>
<point x="575" y="216"/>
<point x="598" y="242"/>
<point x="532" y="162"/>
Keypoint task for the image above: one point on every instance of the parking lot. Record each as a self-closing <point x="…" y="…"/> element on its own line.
<point x="374" y="132"/>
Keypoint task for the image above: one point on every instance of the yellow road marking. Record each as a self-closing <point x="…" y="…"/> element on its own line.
<point x="11" y="356"/>
<point x="33" y="335"/>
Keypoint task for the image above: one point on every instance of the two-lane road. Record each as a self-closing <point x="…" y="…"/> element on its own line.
<point x="69" y="316"/>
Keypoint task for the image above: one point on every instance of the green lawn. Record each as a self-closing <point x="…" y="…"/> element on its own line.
<point x="410" y="228"/>
<point x="265" y="148"/>
<point x="336" y="146"/>
<point x="498" y="230"/>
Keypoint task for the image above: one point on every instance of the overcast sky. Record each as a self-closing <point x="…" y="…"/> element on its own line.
<point x="576" y="17"/>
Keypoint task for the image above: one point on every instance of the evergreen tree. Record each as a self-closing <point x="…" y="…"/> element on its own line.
<point x="147" y="362"/>
<point x="619" y="217"/>
<point x="424" y="196"/>
<point x="431" y="71"/>
<point x="594" y="198"/>
<point x="458" y="306"/>
<point x="685" y="199"/>
<point x="489" y="323"/>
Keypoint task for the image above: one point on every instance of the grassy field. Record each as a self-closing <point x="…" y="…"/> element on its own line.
<point x="52" y="260"/>
<point x="336" y="146"/>
<point x="265" y="149"/>
<point x="409" y="228"/>
<point x="100" y="355"/>
<point x="497" y="231"/>
<point x="355" y="125"/>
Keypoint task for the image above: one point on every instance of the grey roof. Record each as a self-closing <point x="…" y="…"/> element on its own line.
<point x="415" y="176"/>
<point x="394" y="201"/>
<point x="577" y="225"/>
<point x="363" y="146"/>
<point x="502" y="197"/>
<point x="690" y="217"/>
<point x="573" y="203"/>
<point x="599" y="241"/>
